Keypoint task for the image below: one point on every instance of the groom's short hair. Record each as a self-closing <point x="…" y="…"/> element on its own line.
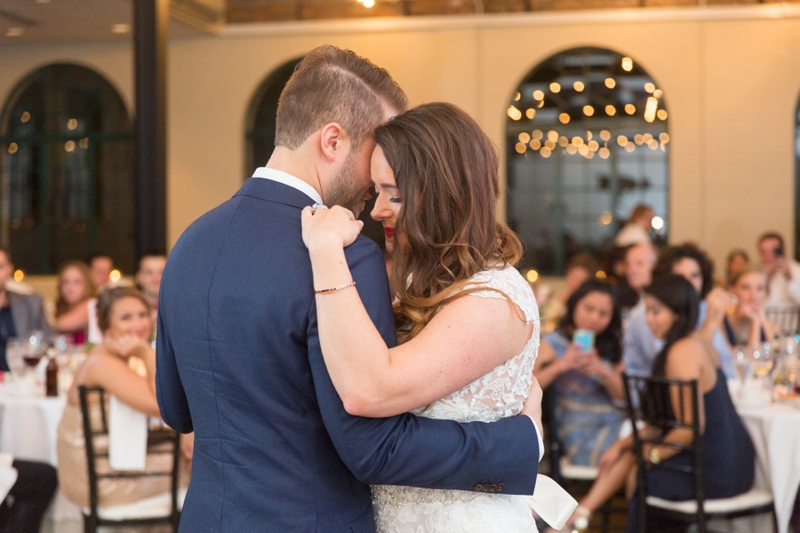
<point x="335" y="85"/>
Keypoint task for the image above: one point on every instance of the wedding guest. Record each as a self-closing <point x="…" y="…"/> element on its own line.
<point x="581" y="268"/>
<point x="586" y="383"/>
<point x="784" y="273"/>
<point x="728" y="453"/>
<point x="123" y="316"/>
<point x="20" y="314"/>
<point x="637" y="230"/>
<point x="26" y="504"/>
<point x="75" y="290"/>
<point x="640" y="346"/>
<point x="101" y="266"/>
<point x="148" y="277"/>
<point x="737" y="260"/>
<point x="639" y="262"/>
<point x="746" y="324"/>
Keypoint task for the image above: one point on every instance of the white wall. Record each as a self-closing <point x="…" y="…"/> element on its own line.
<point x="731" y="80"/>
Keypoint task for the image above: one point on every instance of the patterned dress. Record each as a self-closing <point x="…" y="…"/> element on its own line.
<point x="586" y="419"/>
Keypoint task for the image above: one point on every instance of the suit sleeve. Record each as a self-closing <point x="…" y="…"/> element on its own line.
<point x="170" y="393"/>
<point x="410" y="450"/>
<point x="40" y="321"/>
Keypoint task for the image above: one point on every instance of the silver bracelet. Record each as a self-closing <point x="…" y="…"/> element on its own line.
<point x="340" y="287"/>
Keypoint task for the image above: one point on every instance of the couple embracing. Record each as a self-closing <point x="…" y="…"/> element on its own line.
<point x="280" y="347"/>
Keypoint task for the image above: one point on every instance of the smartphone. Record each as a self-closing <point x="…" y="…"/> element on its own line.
<point x="779" y="251"/>
<point x="584" y="338"/>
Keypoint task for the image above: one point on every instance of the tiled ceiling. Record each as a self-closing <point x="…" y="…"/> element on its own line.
<point x="64" y="21"/>
<point x="249" y="11"/>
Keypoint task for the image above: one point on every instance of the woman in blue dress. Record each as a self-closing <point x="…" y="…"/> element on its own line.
<point x="587" y="383"/>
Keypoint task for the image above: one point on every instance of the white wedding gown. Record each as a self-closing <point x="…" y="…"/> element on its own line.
<point x="498" y="394"/>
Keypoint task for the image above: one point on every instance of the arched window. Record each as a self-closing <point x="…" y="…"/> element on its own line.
<point x="263" y="108"/>
<point x="260" y="135"/>
<point x="66" y="173"/>
<point x="586" y="141"/>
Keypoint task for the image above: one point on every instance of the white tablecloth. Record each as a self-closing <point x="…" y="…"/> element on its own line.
<point x="775" y="430"/>
<point x="28" y="425"/>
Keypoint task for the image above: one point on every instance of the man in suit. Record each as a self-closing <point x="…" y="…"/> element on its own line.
<point x="238" y="355"/>
<point x="20" y="314"/>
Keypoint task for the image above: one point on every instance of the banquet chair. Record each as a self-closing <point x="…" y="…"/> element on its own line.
<point x="659" y="413"/>
<point x="160" y="509"/>
<point x="576" y="479"/>
<point x="786" y="319"/>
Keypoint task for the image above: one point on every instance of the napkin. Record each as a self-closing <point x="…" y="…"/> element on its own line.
<point x="552" y="503"/>
<point x="8" y="474"/>
<point x="127" y="436"/>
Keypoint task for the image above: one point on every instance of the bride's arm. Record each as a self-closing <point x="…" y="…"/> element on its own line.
<point x="464" y="341"/>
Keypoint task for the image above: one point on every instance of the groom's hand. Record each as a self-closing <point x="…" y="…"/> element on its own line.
<point x="533" y="405"/>
<point x="323" y="226"/>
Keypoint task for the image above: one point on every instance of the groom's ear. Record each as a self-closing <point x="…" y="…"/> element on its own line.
<point x="334" y="141"/>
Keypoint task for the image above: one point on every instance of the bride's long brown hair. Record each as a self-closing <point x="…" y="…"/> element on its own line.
<point x="446" y="168"/>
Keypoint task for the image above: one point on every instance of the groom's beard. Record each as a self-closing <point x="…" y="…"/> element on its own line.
<point x="345" y="189"/>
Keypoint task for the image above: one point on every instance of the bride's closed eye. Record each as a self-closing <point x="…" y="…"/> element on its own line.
<point x="392" y="199"/>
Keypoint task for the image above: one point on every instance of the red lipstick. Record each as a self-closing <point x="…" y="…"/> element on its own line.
<point x="389" y="232"/>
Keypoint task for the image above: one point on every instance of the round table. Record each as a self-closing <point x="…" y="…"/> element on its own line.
<point x="28" y="427"/>
<point x="775" y="430"/>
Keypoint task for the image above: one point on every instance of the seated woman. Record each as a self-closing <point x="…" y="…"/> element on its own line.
<point x="75" y="290"/>
<point x="746" y="323"/>
<point x="124" y="317"/>
<point x="580" y="268"/>
<point x="585" y="383"/>
<point x="728" y="453"/>
<point x="737" y="260"/>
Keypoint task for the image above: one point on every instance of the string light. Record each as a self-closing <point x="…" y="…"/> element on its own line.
<point x="630" y="109"/>
<point x="530" y="113"/>
<point x="588" y="110"/>
<point x="563" y="118"/>
<point x="627" y="64"/>
<point x="611" y="110"/>
<point x="555" y="87"/>
<point x="611" y="83"/>
<point x="524" y="137"/>
<point x="650" y="109"/>
<point x="538" y="95"/>
<point x="578" y="86"/>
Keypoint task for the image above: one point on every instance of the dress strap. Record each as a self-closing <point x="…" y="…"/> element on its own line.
<point x="84" y="367"/>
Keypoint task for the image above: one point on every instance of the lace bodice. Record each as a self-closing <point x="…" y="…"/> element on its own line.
<point x="501" y="392"/>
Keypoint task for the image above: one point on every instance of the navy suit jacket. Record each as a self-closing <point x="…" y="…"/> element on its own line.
<point x="239" y="363"/>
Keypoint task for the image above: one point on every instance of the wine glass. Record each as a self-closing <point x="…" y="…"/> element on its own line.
<point x="14" y="349"/>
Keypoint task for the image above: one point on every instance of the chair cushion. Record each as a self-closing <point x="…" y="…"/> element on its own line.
<point x="749" y="500"/>
<point x="571" y="471"/>
<point x="153" y="507"/>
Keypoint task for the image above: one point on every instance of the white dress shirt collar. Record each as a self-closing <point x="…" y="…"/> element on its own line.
<point x="288" y="179"/>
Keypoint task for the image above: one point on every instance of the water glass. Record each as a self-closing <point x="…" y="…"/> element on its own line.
<point x="15" y="350"/>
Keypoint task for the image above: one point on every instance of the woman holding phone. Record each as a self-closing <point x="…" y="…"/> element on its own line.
<point x="582" y="361"/>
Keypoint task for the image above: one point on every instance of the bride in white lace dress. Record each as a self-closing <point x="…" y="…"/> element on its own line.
<point x="468" y="324"/>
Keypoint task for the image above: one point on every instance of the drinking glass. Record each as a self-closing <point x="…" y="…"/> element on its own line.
<point x="763" y="363"/>
<point x="15" y="348"/>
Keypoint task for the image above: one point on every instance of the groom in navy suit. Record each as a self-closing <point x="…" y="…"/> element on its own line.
<point x="238" y="355"/>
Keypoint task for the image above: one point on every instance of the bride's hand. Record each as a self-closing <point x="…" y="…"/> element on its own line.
<point x="533" y="405"/>
<point x="336" y="225"/>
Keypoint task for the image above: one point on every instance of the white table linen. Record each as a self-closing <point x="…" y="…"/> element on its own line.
<point x="28" y="430"/>
<point x="775" y="430"/>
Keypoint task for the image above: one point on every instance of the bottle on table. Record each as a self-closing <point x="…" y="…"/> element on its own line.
<point x="51" y="381"/>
